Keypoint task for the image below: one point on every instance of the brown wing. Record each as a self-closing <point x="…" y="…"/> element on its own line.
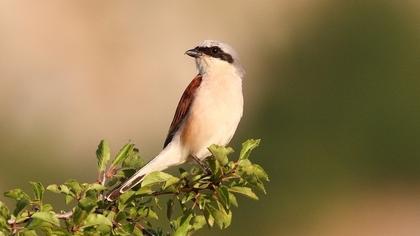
<point x="183" y="108"/>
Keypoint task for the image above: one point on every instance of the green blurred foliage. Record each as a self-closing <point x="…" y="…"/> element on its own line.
<point x="341" y="108"/>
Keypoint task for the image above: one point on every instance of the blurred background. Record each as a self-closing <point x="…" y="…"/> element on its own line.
<point x="332" y="88"/>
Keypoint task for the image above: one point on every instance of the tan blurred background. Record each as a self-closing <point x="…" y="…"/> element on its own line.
<point x="332" y="87"/>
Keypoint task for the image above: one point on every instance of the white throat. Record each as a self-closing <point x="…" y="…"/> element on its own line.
<point x="213" y="66"/>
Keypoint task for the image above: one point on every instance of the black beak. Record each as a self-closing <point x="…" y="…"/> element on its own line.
<point x="193" y="53"/>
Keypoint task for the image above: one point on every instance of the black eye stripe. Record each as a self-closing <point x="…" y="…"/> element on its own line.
<point x="216" y="52"/>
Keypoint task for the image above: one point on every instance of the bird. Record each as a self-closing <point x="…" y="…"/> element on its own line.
<point x="208" y="112"/>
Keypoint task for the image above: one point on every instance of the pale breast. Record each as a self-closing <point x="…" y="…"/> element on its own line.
<point x="215" y="113"/>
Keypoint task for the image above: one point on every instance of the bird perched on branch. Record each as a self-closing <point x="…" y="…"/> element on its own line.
<point x="208" y="112"/>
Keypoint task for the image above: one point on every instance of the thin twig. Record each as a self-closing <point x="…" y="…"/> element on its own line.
<point x="64" y="215"/>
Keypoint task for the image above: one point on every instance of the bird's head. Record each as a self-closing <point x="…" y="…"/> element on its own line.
<point x="211" y="56"/>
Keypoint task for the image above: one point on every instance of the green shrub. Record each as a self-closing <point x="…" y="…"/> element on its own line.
<point x="189" y="201"/>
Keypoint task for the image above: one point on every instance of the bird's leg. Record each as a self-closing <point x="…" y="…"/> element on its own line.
<point x="202" y="164"/>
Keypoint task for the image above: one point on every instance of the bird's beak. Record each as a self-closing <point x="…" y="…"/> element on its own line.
<point x="193" y="53"/>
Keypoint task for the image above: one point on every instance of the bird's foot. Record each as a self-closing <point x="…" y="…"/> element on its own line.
<point x="206" y="169"/>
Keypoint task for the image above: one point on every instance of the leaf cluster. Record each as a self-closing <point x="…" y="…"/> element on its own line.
<point x="187" y="202"/>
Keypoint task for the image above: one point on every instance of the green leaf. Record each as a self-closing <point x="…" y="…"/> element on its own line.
<point x="169" y="208"/>
<point x="49" y="217"/>
<point x="158" y="177"/>
<point x="38" y="190"/>
<point x="198" y="222"/>
<point x="133" y="160"/>
<point x="221" y="153"/>
<point x="3" y="224"/>
<point x="260" y="172"/>
<point x="68" y="199"/>
<point x="79" y="215"/>
<point x="245" y="191"/>
<point x="20" y="206"/>
<point x="147" y="212"/>
<point x="53" y="188"/>
<point x="96" y="187"/>
<point x="103" y="154"/>
<point x="123" y="154"/>
<point x="74" y="186"/>
<point x="221" y="217"/>
<point x="4" y="211"/>
<point x="144" y="190"/>
<point x="64" y="189"/>
<point x="29" y="233"/>
<point x="122" y="200"/>
<point x="96" y="219"/>
<point x="232" y="199"/>
<point x="17" y="194"/>
<point x="214" y="165"/>
<point x="245" y="167"/>
<point x="247" y="148"/>
<point x="182" y="230"/>
<point x="87" y="204"/>
<point x="171" y="181"/>
<point x="46" y="207"/>
<point x="223" y="195"/>
<point x="22" y="199"/>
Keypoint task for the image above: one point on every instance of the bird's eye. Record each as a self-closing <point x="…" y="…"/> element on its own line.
<point x="215" y="50"/>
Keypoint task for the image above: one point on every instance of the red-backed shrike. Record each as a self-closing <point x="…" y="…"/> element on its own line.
<point x="208" y="113"/>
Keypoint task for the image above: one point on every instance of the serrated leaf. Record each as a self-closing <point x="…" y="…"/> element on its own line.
<point x="182" y="230"/>
<point x="221" y="153"/>
<point x="260" y="172"/>
<point x="122" y="154"/>
<point x="247" y="148"/>
<point x="38" y="189"/>
<point x="158" y="177"/>
<point x="260" y="186"/>
<point x="103" y="154"/>
<point x="245" y="191"/>
<point x="49" y="217"/>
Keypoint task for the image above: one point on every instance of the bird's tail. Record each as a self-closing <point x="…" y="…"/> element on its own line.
<point x="171" y="155"/>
